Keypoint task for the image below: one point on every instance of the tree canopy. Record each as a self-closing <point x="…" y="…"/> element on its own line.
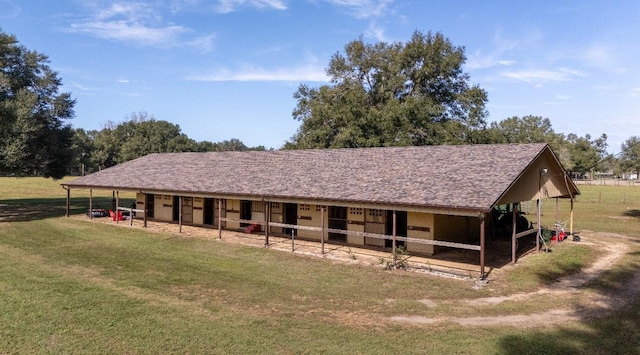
<point x="387" y="94"/>
<point x="630" y="155"/>
<point x="586" y="153"/>
<point x="140" y="134"/>
<point x="34" y="140"/>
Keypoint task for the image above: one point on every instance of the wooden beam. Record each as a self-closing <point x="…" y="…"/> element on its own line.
<point x="267" y="218"/>
<point x="571" y="218"/>
<point x="219" y="218"/>
<point x="514" y="240"/>
<point x="322" y="230"/>
<point x="68" y="208"/>
<point x="482" y="248"/>
<point x="539" y="234"/>
<point x="393" y="240"/>
<point x="90" y="203"/>
<point x="117" y="204"/>
<point x="146" y="210"/>
<point x="180" y="214"/>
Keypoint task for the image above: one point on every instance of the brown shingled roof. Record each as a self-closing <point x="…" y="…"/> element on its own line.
<point x="469" y="177"/>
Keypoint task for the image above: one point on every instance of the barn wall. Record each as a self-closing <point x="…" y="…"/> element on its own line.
<point x="375" y="222"/>
<point x="544" y="178"/>
<point x="233" y="212"/>
<point x="140" y="202"/>
<point x="258" y="211"/>
<point x="421" y="226"/>
<point x="277" y="216"/>
<point x="163" y="208"/>
<point x="456" y="229"/>
<point x="310" y="216"/>
<point x="198" y="210"/>
<point x="356" y="223"/>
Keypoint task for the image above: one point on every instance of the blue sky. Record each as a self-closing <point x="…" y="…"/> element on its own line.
<point x="225" y="69"/>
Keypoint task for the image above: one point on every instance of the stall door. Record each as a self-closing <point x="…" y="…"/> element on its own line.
<point x="337" y="220"/>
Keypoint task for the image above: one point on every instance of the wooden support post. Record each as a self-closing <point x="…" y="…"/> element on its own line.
<point x="556" y="225"/>
<point x="393" y="240"/>
<point x="145" y="214"/>
<point x="130" y="216"/>
<point x="180" y="214"/>
<point x="219" y="218"/>
<point x="482" y="248"/>
<point x="267" y="218"/>
<point x="117" y="204"/>
<point x="514" y="240"/>
<point x="571" y="218"/>
<point x="322" y="230"/>
<point x="539" y="234"/>
<point x="90" y="203"/>
<point x="68" y="210"/>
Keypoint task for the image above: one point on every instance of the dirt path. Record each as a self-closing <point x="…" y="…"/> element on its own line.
<point x="599" y="304"/>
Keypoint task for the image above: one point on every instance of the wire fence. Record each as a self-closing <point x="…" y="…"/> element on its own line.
<point x="608" y="182"/>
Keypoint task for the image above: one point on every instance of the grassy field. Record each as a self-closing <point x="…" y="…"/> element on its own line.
<point x="74" y="286"/>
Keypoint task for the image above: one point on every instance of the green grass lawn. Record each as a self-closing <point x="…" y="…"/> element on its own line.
<point x="73" y="286"/>
<point x="614" y="209"/>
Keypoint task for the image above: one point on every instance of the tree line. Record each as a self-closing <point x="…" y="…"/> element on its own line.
<point x="140" y="134"/>
<point x="382" y="94"/>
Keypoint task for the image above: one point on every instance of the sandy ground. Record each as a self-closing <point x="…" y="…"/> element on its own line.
<point x="599" y="304"/>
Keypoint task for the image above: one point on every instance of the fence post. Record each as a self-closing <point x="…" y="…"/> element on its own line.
<point x="322" y="231"/>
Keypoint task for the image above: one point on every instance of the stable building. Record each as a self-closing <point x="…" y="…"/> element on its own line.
<point x="425" y="198"/>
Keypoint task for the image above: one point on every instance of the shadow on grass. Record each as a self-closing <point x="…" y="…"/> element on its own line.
<point x="610" y="326"/>
<point x="632" y="213"/>
<point x="618" y="333"/>
<point x="20" y="210"/>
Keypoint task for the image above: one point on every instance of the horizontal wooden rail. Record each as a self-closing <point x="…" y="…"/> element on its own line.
<point x="130" y="209"/>
<point x="295" y="226"/>
<point x="525" y="233"/>
<point x="247" y="221"/>
<point x="441" y="243"/>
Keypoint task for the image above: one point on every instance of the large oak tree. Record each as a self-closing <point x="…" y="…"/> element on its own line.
<point x="34" y="139"/>
<point x="630" y="155"/>
<point x="386" y="94"/>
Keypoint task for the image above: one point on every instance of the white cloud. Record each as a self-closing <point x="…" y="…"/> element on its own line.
<point x="503" y="46"/>
<point x="227" y="6"/>
<point x="602" y="56"/>
<point x="364" y="8"/>
<point x="538" y="76"/>
<point x="302" y="73"/>
<point x="137" y="23"/>
<point x="132" y="11"/>
<point x="131" y="32"/>
<point x="203" y="43"/>
<point x="375" y="32"/>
